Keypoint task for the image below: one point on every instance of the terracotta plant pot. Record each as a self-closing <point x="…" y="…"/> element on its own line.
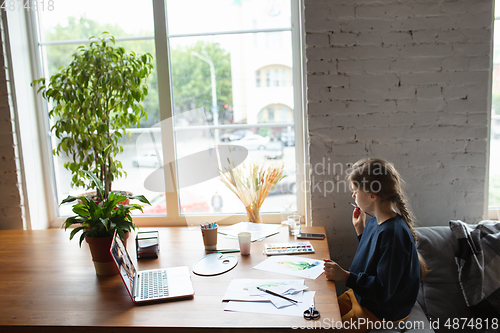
<point x="99" y="248"/>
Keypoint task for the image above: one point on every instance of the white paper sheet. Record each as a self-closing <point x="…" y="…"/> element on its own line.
<point x="258" y="230"/>
<point x="246" y="289"/>
<point x="295" y="288"/>
<point x="268" y="308"/>
<point x="278" y="302"/>
<point x="293" y="265"/>
<point x="284" y="290"/>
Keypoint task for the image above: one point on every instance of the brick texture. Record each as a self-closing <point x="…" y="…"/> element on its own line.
<point x="407" y="81"/>
<point x="10" y="199"/>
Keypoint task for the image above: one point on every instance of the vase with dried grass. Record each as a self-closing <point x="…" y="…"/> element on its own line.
<point x="252" y="183"/>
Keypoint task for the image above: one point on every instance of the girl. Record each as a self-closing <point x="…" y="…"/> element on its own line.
<point x="385" y="273"/>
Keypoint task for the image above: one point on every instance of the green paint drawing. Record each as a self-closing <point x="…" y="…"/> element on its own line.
<point x="298" y="265"/>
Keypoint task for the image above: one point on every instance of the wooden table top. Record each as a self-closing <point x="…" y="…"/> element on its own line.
<point x="48" y="282"/>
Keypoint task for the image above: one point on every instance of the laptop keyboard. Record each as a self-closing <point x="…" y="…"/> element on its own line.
<point x="154" y="284"/>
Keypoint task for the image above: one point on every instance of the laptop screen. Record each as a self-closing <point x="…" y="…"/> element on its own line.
<point x="123" y="262"/>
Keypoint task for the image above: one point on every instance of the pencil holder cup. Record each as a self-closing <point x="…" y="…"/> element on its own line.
<point x="210" y="238"/>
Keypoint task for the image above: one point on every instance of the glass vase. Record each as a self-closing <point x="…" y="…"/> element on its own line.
<point x="253" y="214"/>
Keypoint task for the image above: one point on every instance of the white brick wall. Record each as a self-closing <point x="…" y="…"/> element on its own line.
<point x="407" y="81"/>
<point x="10" y="199"/>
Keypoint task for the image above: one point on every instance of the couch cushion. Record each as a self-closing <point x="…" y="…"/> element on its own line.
<point x="442" y="302"/>
<point x="438" y="246"/>
<point x="416" y="322"/>
<point x="440" y="294"/>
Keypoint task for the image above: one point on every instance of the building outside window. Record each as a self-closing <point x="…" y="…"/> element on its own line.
<point x="270" y="114"/>
<point x="214" y="43"/>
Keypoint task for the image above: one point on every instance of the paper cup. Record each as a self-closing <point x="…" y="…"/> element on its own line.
<point x="244" y="240"/>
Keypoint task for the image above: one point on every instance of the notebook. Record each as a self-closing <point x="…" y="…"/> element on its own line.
<point x="150" y="285"/>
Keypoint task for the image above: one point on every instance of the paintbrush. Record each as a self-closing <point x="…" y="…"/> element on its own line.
<point x="354" y="205"/>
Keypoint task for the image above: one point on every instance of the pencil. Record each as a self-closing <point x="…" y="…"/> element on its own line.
<point x="276" y="294"/>
<point x="226" y="251"/>
<point x="350" y="203"/>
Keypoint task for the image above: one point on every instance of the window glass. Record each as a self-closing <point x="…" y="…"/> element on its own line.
<point x="227" y="16"/>
<point x="494" y="176"/>
<point x="248" y="55"/>
<point x="71" y="25"/>
<point x="73" y="19"/>
<point x="235" y="62"/>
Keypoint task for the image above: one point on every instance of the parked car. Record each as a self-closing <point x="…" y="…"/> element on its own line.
<point x="235" y="135"/>
<point x="288" y="138"/>
<point x="148" y="159"/>
<point x="190" y="203"/>
<point x="239" y="134"/>
<point x="225" y="137"/>
<point x="274" y="150"/>
<point x="193" y="203"/>
<point x="252" y="142"/>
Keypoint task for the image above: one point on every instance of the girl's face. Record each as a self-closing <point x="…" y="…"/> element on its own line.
<point x="363" y="199"/>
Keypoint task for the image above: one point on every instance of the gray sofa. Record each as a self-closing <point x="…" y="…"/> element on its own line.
<point x="440" y="296"/>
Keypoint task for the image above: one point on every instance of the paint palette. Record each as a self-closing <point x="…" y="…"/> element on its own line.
<point x="288" y="248"/>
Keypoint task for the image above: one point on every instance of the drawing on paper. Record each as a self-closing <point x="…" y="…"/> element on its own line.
<point x="298" y="265"/>
<point x="292" y="265"/>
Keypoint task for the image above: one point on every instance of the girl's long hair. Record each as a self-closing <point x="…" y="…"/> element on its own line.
<point x="378" y="177"/>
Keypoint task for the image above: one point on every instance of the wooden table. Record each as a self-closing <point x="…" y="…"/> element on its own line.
<point x="48" y="283"/>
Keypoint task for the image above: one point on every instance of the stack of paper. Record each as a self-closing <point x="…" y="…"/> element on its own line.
<point x="294" y="291"/>
<point x="243" y="296"/>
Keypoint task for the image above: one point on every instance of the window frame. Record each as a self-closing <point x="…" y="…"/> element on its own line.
<point x="491" y="212"/>
<point x="161" y="39"/>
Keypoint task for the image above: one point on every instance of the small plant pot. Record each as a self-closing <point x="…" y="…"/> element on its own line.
<point x="99" y="248"/>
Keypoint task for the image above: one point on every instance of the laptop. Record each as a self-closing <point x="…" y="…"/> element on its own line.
<point x="150" y="285"/>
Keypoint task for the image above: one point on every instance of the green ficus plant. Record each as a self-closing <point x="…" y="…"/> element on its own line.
<point x="95" y="99"/>
<point x="101" y="219"/>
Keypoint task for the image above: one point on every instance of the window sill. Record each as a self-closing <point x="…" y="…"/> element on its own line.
<point x="191" y="220"/>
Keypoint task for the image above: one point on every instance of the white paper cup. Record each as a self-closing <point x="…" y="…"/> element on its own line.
<point x="244" y="239"/>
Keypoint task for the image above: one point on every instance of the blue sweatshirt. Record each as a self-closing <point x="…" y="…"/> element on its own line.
<point x="385" y="272"/>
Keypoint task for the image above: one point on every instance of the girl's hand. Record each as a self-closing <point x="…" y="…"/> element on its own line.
<point x="334" y="272"/>
<point x="359" y="220"/>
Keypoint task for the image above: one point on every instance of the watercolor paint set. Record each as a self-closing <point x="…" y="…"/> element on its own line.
<point x="288" y="248"/>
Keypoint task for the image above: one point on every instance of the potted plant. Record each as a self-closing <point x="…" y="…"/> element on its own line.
<point x="95" y="99"/>
<point x="97" y="221"/>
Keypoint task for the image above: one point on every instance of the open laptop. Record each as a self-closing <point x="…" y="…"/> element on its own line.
<point x="150" y="285"/>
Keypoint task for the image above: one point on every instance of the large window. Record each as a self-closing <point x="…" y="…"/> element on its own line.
<point x="234" y="79"/>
